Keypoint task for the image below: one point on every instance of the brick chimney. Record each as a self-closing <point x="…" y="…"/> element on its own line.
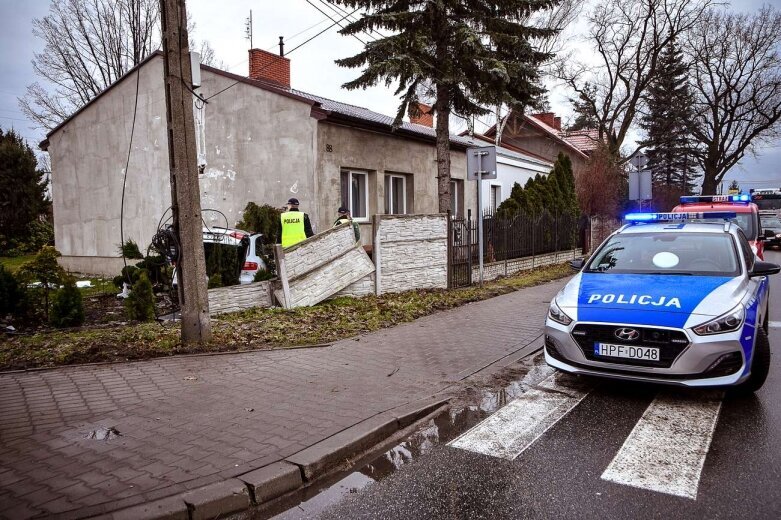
<point x="423" y="115"/>
<point x="267" y="66"/>
<point x="557" y="123"/>
<point x="549" y="118"/>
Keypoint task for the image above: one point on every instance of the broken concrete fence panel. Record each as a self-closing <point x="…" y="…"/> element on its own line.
<point x="321" y="266"/>
<point x="240" y="297"/>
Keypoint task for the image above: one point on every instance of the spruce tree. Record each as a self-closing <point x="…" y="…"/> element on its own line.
<point x="467" y="54"/>
<point x="669" y="113"/>
<point x="22" y="189"/>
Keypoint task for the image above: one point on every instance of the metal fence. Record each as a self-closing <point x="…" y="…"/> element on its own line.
<point x="509" y="238"/>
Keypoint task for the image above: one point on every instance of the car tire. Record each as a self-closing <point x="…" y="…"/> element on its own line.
<point x="760" y="366"/>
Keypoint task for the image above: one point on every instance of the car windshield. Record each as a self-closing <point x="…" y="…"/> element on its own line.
<point x="703" y="254"/>
<point x="771" y="222"/>
<point x="746" y="223"/>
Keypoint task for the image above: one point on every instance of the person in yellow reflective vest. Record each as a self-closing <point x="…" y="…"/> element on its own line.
<point x="295" y="225"/>
<point x="345" y="218"/>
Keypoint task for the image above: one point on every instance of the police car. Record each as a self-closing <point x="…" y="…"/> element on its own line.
<point x="677" y="298"/>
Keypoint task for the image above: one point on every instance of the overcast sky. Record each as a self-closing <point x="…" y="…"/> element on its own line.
<point x="312" y="66"/>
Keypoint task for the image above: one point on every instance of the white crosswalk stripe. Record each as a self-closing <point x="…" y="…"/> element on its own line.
<point x="666" y="450"/>
<point x="515" y="427"/>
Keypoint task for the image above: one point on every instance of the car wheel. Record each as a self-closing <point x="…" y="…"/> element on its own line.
<point x="760" y="366"/>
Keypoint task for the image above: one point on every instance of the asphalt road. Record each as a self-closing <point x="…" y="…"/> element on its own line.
<point x="712" y="456"/>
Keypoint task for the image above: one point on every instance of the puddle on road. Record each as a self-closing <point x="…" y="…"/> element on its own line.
<point x="473" y="404"/>
<point x="103" y="434"/>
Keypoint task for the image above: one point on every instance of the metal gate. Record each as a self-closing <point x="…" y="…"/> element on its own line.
<point x="461" y="245"/>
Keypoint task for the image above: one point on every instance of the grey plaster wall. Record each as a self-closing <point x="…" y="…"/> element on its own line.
<point x="88" y="162"/>
<point x="258" y="146"/>
<point x="379" y="154"/>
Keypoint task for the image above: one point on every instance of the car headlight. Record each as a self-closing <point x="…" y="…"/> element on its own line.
<point x="725" y="323"/>
<point x="557" y="315"/>
<point x="778" y="235"/>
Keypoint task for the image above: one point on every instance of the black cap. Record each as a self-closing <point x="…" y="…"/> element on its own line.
<point x="343" y="210"/>
<point x="292" y="201"/>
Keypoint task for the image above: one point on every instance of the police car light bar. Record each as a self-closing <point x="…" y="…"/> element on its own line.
<point x="698" y="199"/>
<point x="635" y="218"/>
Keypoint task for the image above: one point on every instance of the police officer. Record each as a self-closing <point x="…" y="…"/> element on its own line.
<point x="295" y="225"/>
<point x="344" y="218"/>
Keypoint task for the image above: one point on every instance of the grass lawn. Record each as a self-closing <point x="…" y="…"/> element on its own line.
<point x="256" y="328"/>
<point x="12" y="263"/>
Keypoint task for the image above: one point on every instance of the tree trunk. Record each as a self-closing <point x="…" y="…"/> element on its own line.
<point x="442" y="108"/>
<point x="709" y="182"/>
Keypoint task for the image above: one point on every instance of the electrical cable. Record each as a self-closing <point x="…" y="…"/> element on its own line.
<point x="336" y="22"/>
<point x="288" y="53"/>
<point x="124" y="179"/>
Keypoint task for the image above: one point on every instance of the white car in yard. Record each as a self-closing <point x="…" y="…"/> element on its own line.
<point x="249" y="250"/>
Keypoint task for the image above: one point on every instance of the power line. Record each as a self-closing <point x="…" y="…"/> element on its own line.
<point x="124" y="178"/>
<point x="288" y="53"/>
<point x="335" y="21"/>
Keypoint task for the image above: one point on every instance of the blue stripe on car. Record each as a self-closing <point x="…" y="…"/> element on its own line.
<point x="667" y="300"/>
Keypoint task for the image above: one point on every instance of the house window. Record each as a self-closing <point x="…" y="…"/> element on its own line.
<point x="355" y="193"/>
<point x="496" y="197"/>
<point x="395" y="194"/>
<point x="456" y="194"/>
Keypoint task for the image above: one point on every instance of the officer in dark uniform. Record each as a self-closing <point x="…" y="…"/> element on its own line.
<point x="295" y="225"/>
<point x="344" y="218"/>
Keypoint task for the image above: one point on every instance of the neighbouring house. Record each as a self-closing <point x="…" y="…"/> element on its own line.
<point x="535" y="141"/>
<point x="258" y="139"/>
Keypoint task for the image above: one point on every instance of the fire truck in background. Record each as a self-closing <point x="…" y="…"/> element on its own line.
<point x="767" y="199"/>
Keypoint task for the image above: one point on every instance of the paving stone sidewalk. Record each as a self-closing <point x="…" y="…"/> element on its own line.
<point x="190" y="421"/>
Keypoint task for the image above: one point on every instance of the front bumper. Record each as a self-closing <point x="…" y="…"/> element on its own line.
<point x="698" y="364"/>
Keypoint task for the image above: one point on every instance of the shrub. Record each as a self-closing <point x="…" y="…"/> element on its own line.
<point x="44" y="270"/>
<point x="130" y="250"/>
<point x="140" y="305"/>
<point x="262" y="275"/>
<point x="67" y="306"/>
<point x="12" y="293"/>
<point x="129" y="275"/>
<point x="262" y="219"/>
<point x="215" y="281"/>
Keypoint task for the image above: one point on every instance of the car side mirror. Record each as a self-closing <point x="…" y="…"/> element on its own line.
<point x="764" y="269"/>
<point x="577" y="264"/>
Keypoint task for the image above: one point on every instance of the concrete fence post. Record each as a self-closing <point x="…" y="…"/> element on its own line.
<point x="377" y="254"/>
<point x="279" y="253"/>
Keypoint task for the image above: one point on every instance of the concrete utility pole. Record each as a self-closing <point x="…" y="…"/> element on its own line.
<point x="185" y="190"/>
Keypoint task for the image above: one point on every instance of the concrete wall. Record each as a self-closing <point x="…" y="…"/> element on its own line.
<point x="379" y="154"/>
<point x="239" y="297"/>
<point x="320" y="266"/>
<point x="411" y="252"/>
<point x="257" y="146"/>
<point x="494" y="270"/>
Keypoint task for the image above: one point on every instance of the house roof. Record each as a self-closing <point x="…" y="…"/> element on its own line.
<point x="546" y="130"/>
<point x="331" y="110"/>
<point x="516" y="153"/>
<point x="585" y="140"/>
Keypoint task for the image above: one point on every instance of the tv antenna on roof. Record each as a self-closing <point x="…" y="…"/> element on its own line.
<point x="248" y="28"/>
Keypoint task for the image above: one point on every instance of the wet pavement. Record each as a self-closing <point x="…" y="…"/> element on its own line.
<point x="581" y="465"/>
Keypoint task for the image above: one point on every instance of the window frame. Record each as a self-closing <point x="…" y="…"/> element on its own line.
<point x="494" y="202"/>
<point x="389" y="193"/>
<point x="455" y="202"/>
<point x="350" y="173"/>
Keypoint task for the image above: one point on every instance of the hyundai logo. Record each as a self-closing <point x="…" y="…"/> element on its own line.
<point x="627" y="334"/>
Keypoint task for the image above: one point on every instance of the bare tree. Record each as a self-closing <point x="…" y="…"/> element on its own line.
<point x="89" y="44"/>
<point x="556" y="18"/>
<point x="628" y="37"/>
<point x="736" y="78"/>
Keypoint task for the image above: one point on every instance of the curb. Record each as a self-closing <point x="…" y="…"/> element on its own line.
<point x="265" y="484"/>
